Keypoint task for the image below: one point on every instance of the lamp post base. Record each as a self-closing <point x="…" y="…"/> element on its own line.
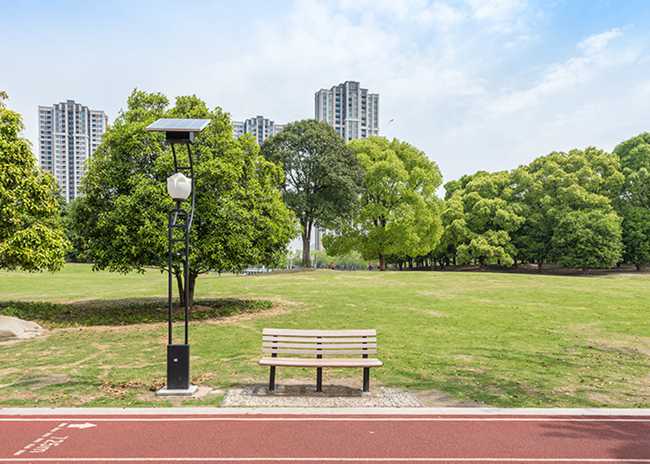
<point x="191" y="391"/>
<point x="178" y="367"/>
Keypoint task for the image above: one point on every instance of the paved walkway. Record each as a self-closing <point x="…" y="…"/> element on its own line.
<point x="344" y="436"/>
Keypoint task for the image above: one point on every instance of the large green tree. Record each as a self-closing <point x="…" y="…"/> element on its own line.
<point x="634" y="202"/>
<point x="321" y="175"/>
<point x="398" y="213"/>
<point x="563" y="194"/>
<point x="485" y="215"/>
<point x="31" y="234"/>
<point x="121" y="220"/>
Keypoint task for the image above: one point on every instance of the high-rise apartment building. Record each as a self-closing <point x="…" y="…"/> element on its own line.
<point x="69" y="133"/>
<point x="260" y="127"/>
<point x="349" y="109"/>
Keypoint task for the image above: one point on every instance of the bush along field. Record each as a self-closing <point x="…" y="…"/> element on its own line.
<point x="496" y="339"/>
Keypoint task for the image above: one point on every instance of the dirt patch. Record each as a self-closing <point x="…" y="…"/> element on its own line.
<point x="36" y="382"/>
<point x="13" y="329"/>
<point x="278" y="307"/>
<point x="438" y="399"/>
<point x="637" y="393"/>
<point x="428" y="312"/>
<point x="434" y="313"/>
<point x="121" y="389"/>
<point x="628" y="344"/>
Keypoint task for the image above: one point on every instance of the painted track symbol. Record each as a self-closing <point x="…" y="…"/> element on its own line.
<point x="85" y="425"/>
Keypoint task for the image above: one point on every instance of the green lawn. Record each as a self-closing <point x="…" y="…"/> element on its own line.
<point x="498" y="339"/>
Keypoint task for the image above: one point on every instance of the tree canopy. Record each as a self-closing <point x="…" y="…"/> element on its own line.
<point x="559" y="208"/>
<point x="634" y="202"/>
<point x="398" y="212"/>
<point x="321" y="175"/>
<point x="31" y="233"/>
<point x="121" y="219"/>
<point x="490" y="216"/>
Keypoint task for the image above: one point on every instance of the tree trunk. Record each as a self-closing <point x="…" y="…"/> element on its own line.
<point x="181" y="288"/>
<point x="192" y="287"/>
<point x="382" y="262"/>
<point x="179" y="284"/>
<point x="306" y="245"/>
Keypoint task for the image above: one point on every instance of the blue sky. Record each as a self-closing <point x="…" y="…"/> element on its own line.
<point x="476" y="84"/>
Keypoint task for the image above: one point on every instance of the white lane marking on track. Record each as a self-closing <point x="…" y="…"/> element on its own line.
<point x="39" y="446"/>
<point x="329" y="419"/>
<point x="86" y="425"/>
<point x="313" y="459"/>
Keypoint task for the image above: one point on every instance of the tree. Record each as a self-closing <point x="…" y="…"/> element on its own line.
<point x="321" y="175"/>
<point x="485" y="216"/>
<point x="239" y="219"/>
<point x="455" y="230"/>
<point x="560" y="193"/>
<point x="31" y="234"/>
<point x="398" y="212"/>
<point x="588" y="239"/>
<point x="634" y="202"/>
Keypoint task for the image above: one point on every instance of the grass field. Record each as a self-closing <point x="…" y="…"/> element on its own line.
<point x="496" y="339"/>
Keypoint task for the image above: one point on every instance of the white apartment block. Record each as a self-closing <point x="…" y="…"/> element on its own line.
<point x="349" y="109"/>
<point x="69" y="133"/>
<point x="260" y="127"/>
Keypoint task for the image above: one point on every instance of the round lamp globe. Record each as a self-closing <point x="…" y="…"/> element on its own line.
<point x="179" y="186"/>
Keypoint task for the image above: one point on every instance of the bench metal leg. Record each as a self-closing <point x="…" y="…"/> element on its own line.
<point x="272" y="379"/>
<point x="366" y="379"/>
<point x="319" y="379"/>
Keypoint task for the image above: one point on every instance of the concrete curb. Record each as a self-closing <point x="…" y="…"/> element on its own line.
<point x="328" y="411"/>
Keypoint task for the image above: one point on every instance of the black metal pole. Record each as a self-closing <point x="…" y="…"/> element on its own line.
<point x="170" y="236"/>
<point x="186" y="266"/>
<point x="188" y="226"/>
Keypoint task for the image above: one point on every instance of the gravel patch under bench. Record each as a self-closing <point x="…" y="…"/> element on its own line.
<point x="304" y="395"/>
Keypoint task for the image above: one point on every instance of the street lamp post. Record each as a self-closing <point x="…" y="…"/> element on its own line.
<point x="180" y="187"/>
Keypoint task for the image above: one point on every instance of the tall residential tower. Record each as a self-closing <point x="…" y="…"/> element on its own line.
<point x="260" y="127"/>
<point x="349" y="109"/>
<point x="69" y="133"/>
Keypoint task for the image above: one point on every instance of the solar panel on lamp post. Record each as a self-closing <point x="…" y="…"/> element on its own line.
<point x="180" y="187"/>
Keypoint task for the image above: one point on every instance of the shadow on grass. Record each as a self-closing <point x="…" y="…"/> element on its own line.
<point x="124" y="312"/>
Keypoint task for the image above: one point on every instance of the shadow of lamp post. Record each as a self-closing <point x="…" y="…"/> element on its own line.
<point x="180" y="187"/>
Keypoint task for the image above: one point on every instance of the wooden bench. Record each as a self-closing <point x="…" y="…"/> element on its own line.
<point x="319" y="349"/>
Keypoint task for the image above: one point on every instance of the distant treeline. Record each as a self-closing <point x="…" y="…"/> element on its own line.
<point x="577" y="209"/>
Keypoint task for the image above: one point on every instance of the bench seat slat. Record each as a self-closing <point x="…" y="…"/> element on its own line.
<point x="302" y="362"/>
<point x="324" y="340"/>
<point x="317" y="347"/>
<point x="321" y="333"/>
<point x="321" y="352"/>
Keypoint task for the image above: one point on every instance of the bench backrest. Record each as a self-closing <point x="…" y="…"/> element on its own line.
<point x="319" y="343"/>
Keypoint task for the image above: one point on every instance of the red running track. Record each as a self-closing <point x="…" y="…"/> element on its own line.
<point x="325" y="438"/>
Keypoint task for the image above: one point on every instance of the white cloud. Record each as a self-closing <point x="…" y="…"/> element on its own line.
<point x="597" y="42"/>
<point x="496" y="10"/>
<point x="560" y="77"/>
<point x="461" y="80"/>
<point x="441" y="14"/>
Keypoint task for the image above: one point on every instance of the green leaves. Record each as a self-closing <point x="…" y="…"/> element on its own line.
<point x="398" y="212"/>
<point x="558" y="209"/>
<point x="321" y="175"/>
<point x="480" y="215"/>
<point x="31" y="234"/>
<point x="239" y="220"/>
<point x="634" y="202"/>
<point x="568" y="200"/>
